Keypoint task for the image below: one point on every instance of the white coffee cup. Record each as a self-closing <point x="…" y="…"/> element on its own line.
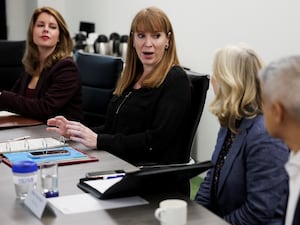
<point x="172" y="212"/>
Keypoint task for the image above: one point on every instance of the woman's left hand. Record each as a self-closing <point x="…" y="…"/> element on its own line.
<point x="79" y="133"/>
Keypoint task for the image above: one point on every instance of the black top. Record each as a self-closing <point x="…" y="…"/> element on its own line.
<point x="145" y="125"/>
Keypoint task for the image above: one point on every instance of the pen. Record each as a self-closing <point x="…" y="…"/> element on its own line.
<point x="93" y="178"/>
<point x="104" y="176"/>
<point x="115" y="176"/>
<point x="21" y="138"/>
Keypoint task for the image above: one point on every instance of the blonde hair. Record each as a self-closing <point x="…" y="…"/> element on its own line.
<point x="63" y="48"/>
<point x="150" y="19"/>
<point x="238" y="95"/>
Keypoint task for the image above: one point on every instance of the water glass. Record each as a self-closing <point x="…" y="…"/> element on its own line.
<point x="49" y="179"/>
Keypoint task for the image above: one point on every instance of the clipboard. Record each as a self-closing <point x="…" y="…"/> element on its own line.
<point x="147" y="180"/>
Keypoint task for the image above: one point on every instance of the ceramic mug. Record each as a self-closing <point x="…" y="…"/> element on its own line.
<point x="172" y="212"/>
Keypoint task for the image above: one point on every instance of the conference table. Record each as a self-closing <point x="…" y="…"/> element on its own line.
<point x="13" y="212"/>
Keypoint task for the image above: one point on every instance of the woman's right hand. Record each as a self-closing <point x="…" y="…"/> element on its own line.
<point x="58" y="125"/>
<point x="73" y="130"/>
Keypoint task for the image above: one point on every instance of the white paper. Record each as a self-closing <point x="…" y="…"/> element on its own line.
<point x="6" y="113"/>
<point x="103" y="185"/>
<point x="80" y="203"/>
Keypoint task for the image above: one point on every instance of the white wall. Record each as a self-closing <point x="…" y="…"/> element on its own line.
<point x="270" y="26"/>
<point x="18" y="17"/>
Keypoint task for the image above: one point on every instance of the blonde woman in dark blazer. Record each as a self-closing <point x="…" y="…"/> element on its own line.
<point x="248" y="184"/>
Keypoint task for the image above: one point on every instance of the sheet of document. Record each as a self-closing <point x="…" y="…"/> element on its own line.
<point x="69" y="204"/>
<point x="6" y="113"/>
<point x="103" y="185"/>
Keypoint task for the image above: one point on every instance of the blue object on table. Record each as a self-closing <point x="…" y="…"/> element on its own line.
<point x="20" y="156"/>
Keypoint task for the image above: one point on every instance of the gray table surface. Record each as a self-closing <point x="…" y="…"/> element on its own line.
<point x="13" y="212"/>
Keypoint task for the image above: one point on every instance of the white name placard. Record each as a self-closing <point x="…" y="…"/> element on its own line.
<point x="37" y="203"/>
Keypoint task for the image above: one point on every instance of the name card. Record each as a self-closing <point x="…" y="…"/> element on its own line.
<point x="37" y="203"/>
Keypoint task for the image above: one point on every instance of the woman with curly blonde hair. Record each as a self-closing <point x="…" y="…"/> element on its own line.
<point x="248" y="184"/>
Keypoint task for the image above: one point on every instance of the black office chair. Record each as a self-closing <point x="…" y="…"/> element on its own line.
<point x="99" y="74"/>
<point x="11" y="53"/>
<point x="199" y="87"/>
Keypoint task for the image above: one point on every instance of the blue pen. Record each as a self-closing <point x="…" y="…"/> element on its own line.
<point x="114" y="176"/>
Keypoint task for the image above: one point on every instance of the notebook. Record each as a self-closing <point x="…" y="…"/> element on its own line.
<point x="29" y="144"/>
<point x="143" y="181"/>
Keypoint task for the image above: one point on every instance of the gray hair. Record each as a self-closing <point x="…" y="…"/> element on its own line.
<point x="281" y="82"/>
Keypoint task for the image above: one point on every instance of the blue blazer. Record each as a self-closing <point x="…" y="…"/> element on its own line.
<point x="253" y="183"/>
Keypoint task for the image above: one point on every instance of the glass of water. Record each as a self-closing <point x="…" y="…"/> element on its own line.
<point x="49" y="179"/>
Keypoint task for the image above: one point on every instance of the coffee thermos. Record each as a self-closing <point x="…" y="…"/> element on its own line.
<point x="113" y="43"/>
<point x="101" y="45"/>
<point x="80" y="41"/>
<point x="123" y="46"/>
<point x="116" y="45"/>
